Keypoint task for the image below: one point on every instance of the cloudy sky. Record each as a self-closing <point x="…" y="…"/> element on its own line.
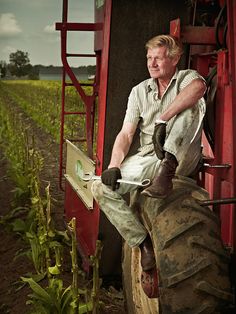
<point x="29" y="25"/>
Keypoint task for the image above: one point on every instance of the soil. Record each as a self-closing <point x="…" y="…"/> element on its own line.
<point x="12" y="298"/>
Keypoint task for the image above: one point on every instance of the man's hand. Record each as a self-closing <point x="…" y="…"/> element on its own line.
<point x="159" y="137"/>
<point x="110" y="177"/>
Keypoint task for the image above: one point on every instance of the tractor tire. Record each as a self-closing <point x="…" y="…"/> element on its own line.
<point x="192" y="263"/>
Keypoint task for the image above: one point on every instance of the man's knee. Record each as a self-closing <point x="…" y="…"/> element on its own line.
<point x="97" y="189"/>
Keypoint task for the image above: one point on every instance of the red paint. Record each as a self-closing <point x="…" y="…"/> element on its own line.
<point x="103" y="86"/>
<point x="87" y="222"/>
<point x="221" y="183"/>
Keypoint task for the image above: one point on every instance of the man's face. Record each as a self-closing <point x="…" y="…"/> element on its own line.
<point x="160" y="66"/>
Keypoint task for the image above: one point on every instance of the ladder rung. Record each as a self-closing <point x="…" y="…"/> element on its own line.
<point x="81" y="84"/>
<point x="78" y="140"/>
<point x="86" y="84"/>
<point x="79" y="26"/>
<point x="74" y="112"/>
<point x="80" y="55"/>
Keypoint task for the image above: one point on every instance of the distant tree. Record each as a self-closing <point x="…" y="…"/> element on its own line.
<point x="91" y="69"/>
<point x="34" y="73"/>
<point x="19" y="63"/>
<point x="3" y="69"/>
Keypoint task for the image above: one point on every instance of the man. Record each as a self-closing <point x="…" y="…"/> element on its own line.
<point x="168" y="108"/>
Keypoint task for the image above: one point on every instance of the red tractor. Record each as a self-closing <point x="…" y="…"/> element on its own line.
<point x="193" y="230"/>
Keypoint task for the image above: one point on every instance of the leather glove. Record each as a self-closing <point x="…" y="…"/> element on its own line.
<point x="159" y="137"/>
<point x="110" y="177"/>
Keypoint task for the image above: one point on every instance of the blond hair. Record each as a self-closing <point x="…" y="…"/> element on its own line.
<point x="173" y="45"/>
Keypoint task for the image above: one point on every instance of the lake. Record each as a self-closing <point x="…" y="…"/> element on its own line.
<point x="58" y="77"/>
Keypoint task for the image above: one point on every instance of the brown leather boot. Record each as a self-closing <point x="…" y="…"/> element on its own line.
<point x="147" y="254"/>
<point x="162" y="183"/>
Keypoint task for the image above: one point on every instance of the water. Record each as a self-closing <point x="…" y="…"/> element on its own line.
<point x="58" y="77"/>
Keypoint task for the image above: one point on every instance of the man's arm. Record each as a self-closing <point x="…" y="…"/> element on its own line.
<point x="186" y="98"/>
<point x="122" y="144"/>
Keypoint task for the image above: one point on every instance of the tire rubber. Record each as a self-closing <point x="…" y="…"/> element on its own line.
<point x="191" y="260"/>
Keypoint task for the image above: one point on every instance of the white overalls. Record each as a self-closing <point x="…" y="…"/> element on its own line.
<point x="183" y="140"/>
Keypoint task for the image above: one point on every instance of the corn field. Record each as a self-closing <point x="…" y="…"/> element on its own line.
<point x="41" y="100"/>
<point x="29" y="216"/>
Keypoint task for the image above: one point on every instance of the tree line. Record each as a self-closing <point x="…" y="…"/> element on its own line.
<point x="19" y="66"/>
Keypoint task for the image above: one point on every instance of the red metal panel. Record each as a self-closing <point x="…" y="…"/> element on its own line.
<point x="99" y="18"/>
<point x="103" y="86"/>
<point x="87" y="222"/>
<point x="79" y="26"/>
<point x="224" y="147"/>
<point x="199" y="35"/>
<point x="230" y="233"/>
<point x="193" y="35"/>
<point x="175" y="28"/>
<point x="220" y="181"/>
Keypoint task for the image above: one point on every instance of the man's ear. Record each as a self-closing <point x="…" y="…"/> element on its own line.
<point x="176" y="60"/>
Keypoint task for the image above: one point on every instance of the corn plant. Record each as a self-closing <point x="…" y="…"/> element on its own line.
<point x="24" y="161"/>
<point x="55" y="299"/>
<point x="25" y="166"/>
<point x="37" y="227"/>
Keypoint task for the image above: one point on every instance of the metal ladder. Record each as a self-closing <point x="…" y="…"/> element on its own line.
<point x="88" y="100"/>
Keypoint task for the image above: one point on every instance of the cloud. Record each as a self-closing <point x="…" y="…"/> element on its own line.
<point x="53" y="35"/>
<point x="50" y="29"/>
<point x="9" y="25"/>
<point x="8" y="49"/>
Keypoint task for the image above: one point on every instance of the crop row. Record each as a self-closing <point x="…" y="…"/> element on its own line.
<point x="41" y="100"/>
<point x="31" y="215"/>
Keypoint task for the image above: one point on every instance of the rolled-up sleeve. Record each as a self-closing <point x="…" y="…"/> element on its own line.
<point x="132" y="112"/>
<point x="187" y="76"/>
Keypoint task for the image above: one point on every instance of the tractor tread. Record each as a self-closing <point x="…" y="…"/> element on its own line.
<point x="204" y="286"/>
<point x="180" y="194"/>
<point x="210" y="246"/>
<point x="186" y="273"/>
<point x="179" y="232"/>
<point x="200" y="209"/>
<point x="191" y="260"/>
<point x="206" y="308"/>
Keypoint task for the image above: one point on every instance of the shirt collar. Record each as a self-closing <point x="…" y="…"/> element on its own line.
<point x="152" y="85"/>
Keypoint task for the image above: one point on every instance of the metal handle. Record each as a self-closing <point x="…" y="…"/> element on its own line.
<point x="144" y="183"/>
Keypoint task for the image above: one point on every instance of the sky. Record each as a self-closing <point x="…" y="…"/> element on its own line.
<point x="29" y="26"/>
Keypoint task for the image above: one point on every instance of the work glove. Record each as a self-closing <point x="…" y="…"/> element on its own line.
<point x="159" y="137"/>
<point x="110" y="177"/>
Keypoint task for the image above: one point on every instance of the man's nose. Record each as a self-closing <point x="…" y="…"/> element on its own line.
<point x="153" y="62"/>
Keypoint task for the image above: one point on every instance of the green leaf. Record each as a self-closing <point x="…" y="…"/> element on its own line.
<point x="54" y="270"/>
<point x="54" y="244"/>
<point x="66" y="300"/>
<point x="85" y="308"/>
<point x="39" y="291"/>
<point x="73" y="304"/>
<point x="51" y="234"/>
<point x="63" y="234"/>
<point x="38" y="277"/>
<point x="34" y="200"/>
<point x="18" y="225"/>
<point x="25" y="253"/>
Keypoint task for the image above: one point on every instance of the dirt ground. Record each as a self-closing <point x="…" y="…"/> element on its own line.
<point x="12" y="299"/>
